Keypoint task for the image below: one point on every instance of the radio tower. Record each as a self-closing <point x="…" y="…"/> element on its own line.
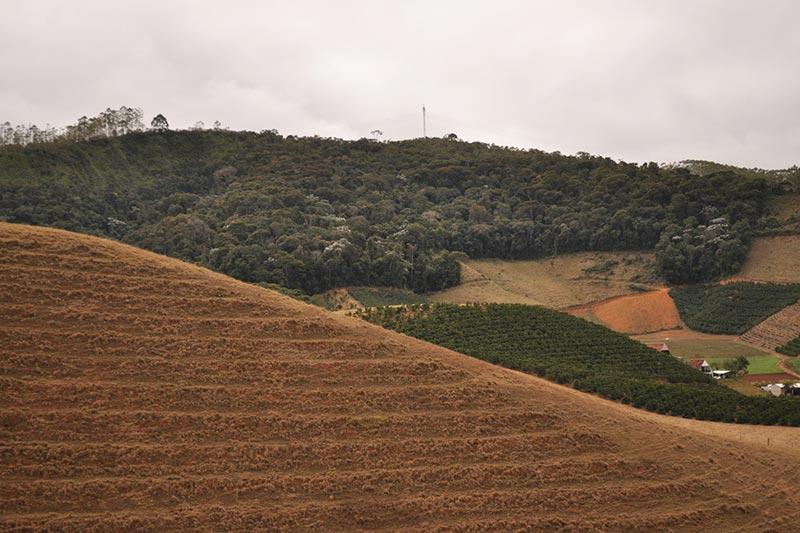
<point x="424" y="125"/>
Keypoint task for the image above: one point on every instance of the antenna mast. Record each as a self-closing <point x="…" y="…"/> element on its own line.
<point x="424" y="125"/>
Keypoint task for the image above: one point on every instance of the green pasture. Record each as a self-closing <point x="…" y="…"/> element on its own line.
<point x="758" y="365"/>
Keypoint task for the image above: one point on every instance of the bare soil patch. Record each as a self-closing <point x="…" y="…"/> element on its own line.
<point x="635" y="314"/>
<point x="768" y="378"/>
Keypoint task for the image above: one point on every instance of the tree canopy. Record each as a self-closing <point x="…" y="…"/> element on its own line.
<point x="313" y="213"/>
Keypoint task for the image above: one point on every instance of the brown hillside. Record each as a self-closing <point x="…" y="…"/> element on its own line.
<point x="774" y="259"/>
<point x="567" y="280"/>
<point x="141" y="393"/>
<point x="637" y="313"/>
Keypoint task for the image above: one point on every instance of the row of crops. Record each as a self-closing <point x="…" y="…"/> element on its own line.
<point x="790" y="348"/>
<point x="732" y="308"/>
<point x="589" y="357"/>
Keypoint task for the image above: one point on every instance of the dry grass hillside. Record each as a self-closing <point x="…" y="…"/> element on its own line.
<point x="773" y="259"/>
<point x="140" y="393"/>
<point x="565" y="281"/>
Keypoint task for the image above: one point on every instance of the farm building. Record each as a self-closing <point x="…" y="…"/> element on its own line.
<point x="701" y="365"/>
<point x="776" y="389"/>
<point x="659" y="346"/>
<point x="782" y="389"/>
<point x="721" y="374"/>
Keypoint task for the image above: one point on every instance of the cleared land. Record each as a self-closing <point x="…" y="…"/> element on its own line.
<point x="140" y="393"/>
<point x="773" y="259"/>
<point x="758" y="365"/>
<point x="565" y="281"/>
<point x="689" y="344"/>
<point x="634" y="314"/>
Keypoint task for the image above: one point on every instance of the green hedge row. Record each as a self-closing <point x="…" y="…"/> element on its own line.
<point x="732" y="308"/>
<point x="790" y="348"/>
<point x="589" y="357"/>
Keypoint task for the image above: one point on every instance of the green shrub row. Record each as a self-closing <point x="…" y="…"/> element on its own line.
<point x="790" y="348"/>
<point x="587" y="356"/>
<point x="732" y="308"/>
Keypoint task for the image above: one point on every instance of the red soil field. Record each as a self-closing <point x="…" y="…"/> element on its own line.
<point x="141" y="393"/>
<point x="769" y="378"/>
<point x="635" y="314"/>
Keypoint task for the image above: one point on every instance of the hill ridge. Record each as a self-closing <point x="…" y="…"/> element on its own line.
<point x="92" y="442"/>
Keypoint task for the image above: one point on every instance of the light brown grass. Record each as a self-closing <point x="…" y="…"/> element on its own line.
<point x="558" y="283"/>
<point x="140" y="393"/>
<point x="775" y="259"/>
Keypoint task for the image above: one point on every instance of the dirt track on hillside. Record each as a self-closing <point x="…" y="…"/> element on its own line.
<point x="137" y="392"/>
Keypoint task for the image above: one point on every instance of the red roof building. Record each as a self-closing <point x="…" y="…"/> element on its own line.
<point x="660" y="346"/>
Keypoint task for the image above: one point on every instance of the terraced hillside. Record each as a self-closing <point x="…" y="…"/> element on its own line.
<point x="140" y="393"/>
<point x="777" y="330"/>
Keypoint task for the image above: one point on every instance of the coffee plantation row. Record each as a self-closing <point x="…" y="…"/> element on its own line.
<point x="790" y="348"/>
<point x="587" y="356"/>
<point x="732" y="308"/>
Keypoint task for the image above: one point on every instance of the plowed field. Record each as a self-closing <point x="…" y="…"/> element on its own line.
<point x="634" y="314"/>
<point x="141" y="393"/>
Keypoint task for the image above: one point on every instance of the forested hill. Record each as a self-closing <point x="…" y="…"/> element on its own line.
<point x="313" y="213"/>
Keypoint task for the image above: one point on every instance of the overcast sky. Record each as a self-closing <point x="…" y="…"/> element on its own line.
<point x="636" y="80"/>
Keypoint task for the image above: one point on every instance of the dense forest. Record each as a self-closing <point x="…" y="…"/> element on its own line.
<point x="314" y="213"/>
<point x="587" y="356"/>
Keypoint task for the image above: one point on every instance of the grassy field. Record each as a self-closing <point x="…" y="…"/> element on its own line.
<point x="744" y="387"/>
<point x="794" y="363"/>
<point x="773" y="259"/>
<point x="758" y="364"/>
<point x="690" y="344"/>
<point x="568" y="280"/>
<point x="375" y="296"/>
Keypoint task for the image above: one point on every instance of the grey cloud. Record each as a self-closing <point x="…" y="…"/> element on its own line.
<point x="628" y="79"/>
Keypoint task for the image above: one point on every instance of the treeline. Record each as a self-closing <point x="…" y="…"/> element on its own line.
<point x="109" y="123"/>
<point x="731" y="308"/>
<point x="587" y="356"/>
<point x="314" y="213"/>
